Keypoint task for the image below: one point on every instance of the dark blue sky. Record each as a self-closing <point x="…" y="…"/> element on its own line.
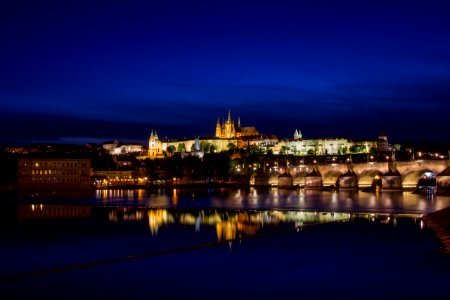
<point x="89" y="71"/>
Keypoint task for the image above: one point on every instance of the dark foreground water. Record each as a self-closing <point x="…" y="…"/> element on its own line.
<point x="222" y="244"/>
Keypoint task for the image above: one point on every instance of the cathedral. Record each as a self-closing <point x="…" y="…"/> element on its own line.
<point x="227" y="129"/>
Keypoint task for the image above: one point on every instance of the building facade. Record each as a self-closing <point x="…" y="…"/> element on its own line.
<point x="38" y="173"/>
<point x="116" y="148"/>
<point x="118" y="177"/>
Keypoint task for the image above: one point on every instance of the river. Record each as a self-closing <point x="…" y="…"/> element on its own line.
<point x="222" y="243"/>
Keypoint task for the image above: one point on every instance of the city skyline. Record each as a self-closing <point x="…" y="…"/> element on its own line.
<point x="77" y="72"/>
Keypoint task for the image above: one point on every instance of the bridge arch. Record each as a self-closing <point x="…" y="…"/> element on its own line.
<point x="299" y="179"/>
<point x="285" y="180"/>
<point x="369" y="177"/>
<point x="258" y="179"/>
<point x="331" y="178"/>
<point x="273" y="179"/>
<point x="411" y="179"/>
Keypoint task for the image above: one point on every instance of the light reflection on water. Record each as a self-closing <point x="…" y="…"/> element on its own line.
<point x="274" y="198"/>
<point x="228" y="224"/>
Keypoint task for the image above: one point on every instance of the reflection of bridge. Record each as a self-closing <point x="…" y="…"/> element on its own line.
<point x="386" y="175"/>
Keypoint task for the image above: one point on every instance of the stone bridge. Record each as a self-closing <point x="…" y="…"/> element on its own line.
<point x="397" y="175"/>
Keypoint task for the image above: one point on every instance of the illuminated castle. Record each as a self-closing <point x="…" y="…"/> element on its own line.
<point x="227" y="130"/>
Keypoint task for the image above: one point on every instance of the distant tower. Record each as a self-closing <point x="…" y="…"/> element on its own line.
<point x="382" y="143"/>
<point x="297" y="135"/>
<point x="197" y="144"/>
<point x="239" y="122"/>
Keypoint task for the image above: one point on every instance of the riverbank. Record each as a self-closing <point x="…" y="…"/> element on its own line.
<point x="439" y="222"/>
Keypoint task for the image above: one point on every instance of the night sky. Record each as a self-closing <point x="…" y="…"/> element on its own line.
<point x="92" y="71"/>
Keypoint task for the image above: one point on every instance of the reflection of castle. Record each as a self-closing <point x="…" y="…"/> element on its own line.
<point x="230" y="226"/>
<point x="227" y="130"/>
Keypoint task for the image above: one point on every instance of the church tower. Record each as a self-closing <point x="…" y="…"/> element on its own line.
<point x="154" y="146"/>
<point x="218" y="129"/>
<point x="230" y="131"/>
<point x="297" y="135"/>
<point x="226" y="130"/>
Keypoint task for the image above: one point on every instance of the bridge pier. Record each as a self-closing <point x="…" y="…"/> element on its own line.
<point x="348" y="181"/>
<point x="313" y="180"/>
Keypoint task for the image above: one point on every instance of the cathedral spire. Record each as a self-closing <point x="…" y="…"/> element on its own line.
<point x="218" y="128"/>
<point x="239" y="122"/>
<point x="229" y="115"/>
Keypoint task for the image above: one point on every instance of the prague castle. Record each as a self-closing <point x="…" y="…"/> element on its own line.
<point x="227" y="135"/>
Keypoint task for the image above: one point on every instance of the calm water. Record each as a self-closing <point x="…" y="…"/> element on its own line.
<point x="310" y="200"/>
<point x="222" y="243"/>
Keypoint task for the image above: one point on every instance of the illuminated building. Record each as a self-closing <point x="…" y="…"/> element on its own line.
<point x="117" y="148"/>
<point x="227" y="133"/>
<point x="382" y="143"/>
<point x="52" y="172"/>
<point x="118" y="177"/>
<point x="155" y="147"/>
<point x="323" y="146"/>
<point x="227" y="130"/>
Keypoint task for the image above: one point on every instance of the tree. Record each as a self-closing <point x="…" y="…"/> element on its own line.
<point x="171" y="149"/>
<point x="181" y="147"/>
<point x="205" y="146"/>
<point x="284" y="149"/>
<point x="231" y="148"/>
